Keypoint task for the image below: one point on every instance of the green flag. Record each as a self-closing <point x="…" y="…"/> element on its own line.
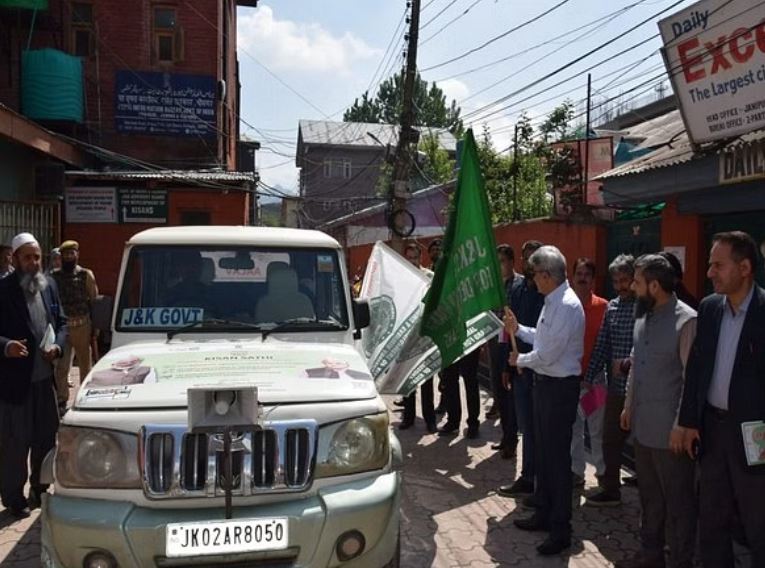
<point x="467" y="281"/>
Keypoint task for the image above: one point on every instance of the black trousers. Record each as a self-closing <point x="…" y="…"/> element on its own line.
<point x="468" y="368"/>
<point x="555" y="406"/>
<point x="504" y="399"/>
<point x="27" y="433"/>
<point x="614" y="439"/>
<point x="426" y="401"/>
<point x="667" y="504"/>
<point x="728" y="485"/>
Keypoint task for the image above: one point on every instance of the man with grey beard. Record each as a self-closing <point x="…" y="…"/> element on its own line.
<point x="32" y="335"/>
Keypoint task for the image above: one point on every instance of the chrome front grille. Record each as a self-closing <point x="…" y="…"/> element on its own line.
<point x="278" y="458"/>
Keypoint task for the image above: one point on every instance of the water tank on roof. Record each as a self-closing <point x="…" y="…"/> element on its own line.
<point x="51" y="85"/>
<point x="28" y="4"/>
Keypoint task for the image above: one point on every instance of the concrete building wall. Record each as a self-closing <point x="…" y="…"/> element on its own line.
<point x="573" y="240"/>
<point x="324" y="195"/>
<point x="101" y="244"/>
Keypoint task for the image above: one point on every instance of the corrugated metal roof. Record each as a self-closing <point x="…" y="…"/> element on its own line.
<point x="674" y="151"/>
<point x="167" y="175"/>
<point x="669" y="155"/>
<point x="364" y="134"/>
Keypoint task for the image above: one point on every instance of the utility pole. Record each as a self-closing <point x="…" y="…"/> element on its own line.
<point x="515" y="174"/>
<point x="587" y="142"/>
<point x="399" y="217"/>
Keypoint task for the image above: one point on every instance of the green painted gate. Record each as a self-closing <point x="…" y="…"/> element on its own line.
<point x="632" y="236"/>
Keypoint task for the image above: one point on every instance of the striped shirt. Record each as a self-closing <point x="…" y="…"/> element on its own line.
<point x="614" y="342"/>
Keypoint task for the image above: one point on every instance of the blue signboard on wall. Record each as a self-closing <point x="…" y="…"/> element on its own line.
<point x="165" y="104"/>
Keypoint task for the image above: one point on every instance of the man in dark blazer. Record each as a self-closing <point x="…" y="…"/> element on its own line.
<point x="725" y="387"/>
<point x="32" y="335"/>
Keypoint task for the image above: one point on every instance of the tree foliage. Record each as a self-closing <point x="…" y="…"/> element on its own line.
<point x="527" y="172"/>
<point x="539" y="163"/>
<point x="437" y="166"/>
<point x="561" y="160"/>
<point x="430" y="106"/>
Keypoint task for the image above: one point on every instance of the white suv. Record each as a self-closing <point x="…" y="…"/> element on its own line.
<point x="234" y="422"/>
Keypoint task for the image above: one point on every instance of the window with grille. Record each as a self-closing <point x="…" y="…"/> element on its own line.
<point x="337" y="168"/>
<point x="82" y="29"/>
<point x="168" y="35"/>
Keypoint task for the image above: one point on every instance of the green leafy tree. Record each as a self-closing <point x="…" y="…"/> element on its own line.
<point x="364" y="110"/>
<point x="531" y="197"/>
<point x="557" y="126"/>
<point x="430" y="106"/>
<point x="437" y="166"/>
<point x="561" y="161"/>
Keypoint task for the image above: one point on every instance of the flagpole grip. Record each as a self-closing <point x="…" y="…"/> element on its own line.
<point x="513" y="343"/>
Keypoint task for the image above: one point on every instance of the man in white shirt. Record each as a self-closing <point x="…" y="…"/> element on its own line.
<point x="558" y="345"/>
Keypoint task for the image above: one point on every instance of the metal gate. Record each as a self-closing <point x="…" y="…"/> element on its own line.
<point x="42" y="219"/>
<point x="635" y="237"/>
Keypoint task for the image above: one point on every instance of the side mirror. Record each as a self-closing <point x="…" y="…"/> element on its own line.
<point x="360" y="316"/>
<point x="101" y="313"/>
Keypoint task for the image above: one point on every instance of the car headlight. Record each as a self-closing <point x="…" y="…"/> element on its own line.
<point x="354" y="446"/>
<point x="97" y="459"/>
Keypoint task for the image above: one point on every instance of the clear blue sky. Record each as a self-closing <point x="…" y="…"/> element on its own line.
<point x="329" y="51"/>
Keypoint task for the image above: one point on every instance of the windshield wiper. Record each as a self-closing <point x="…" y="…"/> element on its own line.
<point x="212" y="322"/>
<point x="299" y="323"/>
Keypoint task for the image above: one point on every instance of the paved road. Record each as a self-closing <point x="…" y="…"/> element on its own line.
<point x="454" y="518"/>
<point x="451" y="515"/>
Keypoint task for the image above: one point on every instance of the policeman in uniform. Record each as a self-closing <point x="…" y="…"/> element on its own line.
<point x="78" y="289"/>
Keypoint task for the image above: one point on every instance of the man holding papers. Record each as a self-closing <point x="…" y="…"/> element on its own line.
<point x="724" y="400"/>
<point x="32" y="334"/>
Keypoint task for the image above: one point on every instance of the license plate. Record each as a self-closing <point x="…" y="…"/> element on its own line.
<point x="225" y="537"/>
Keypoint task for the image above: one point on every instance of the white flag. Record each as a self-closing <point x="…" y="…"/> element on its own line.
<point x="398" y="357"/>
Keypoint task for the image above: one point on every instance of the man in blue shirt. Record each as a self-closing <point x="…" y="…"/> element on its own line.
<point x="499" y="350"/>
<point x="526" y="303"/>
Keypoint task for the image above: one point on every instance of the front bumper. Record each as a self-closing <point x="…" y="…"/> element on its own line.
<point x="135" y="536"/>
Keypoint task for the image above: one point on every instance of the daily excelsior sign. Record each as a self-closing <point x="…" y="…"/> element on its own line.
<point x="715" y="56"/>
<point x="745" y="162"/>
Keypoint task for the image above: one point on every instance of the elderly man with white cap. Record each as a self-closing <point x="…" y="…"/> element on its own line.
<point x="32" y="335"/>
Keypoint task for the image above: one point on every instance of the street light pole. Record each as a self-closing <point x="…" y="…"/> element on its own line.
<point x="407" y="137"/>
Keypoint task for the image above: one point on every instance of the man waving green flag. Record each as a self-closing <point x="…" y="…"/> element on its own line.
<point x="467" y="281"/>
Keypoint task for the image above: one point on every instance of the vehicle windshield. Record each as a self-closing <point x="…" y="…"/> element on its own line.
<point x="167" y="287"/>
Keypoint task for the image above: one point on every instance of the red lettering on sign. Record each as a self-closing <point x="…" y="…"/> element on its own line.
<point x="716" y="51"/>
<point x="735" y="47"/>
<point x="760" y="35"/>
<point x="738" y="45"/>
<point x="688" y="62"/>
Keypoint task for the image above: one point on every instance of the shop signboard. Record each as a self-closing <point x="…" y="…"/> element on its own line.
<point x="714" y="52"/>
<point x="743" y="162"/>
<point x="90" y="204"/>
<point x="165" y="104"/>
<point x="142" y="205"/>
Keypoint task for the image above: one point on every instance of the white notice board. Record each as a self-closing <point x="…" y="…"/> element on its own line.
<point x="91" y="204"/>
